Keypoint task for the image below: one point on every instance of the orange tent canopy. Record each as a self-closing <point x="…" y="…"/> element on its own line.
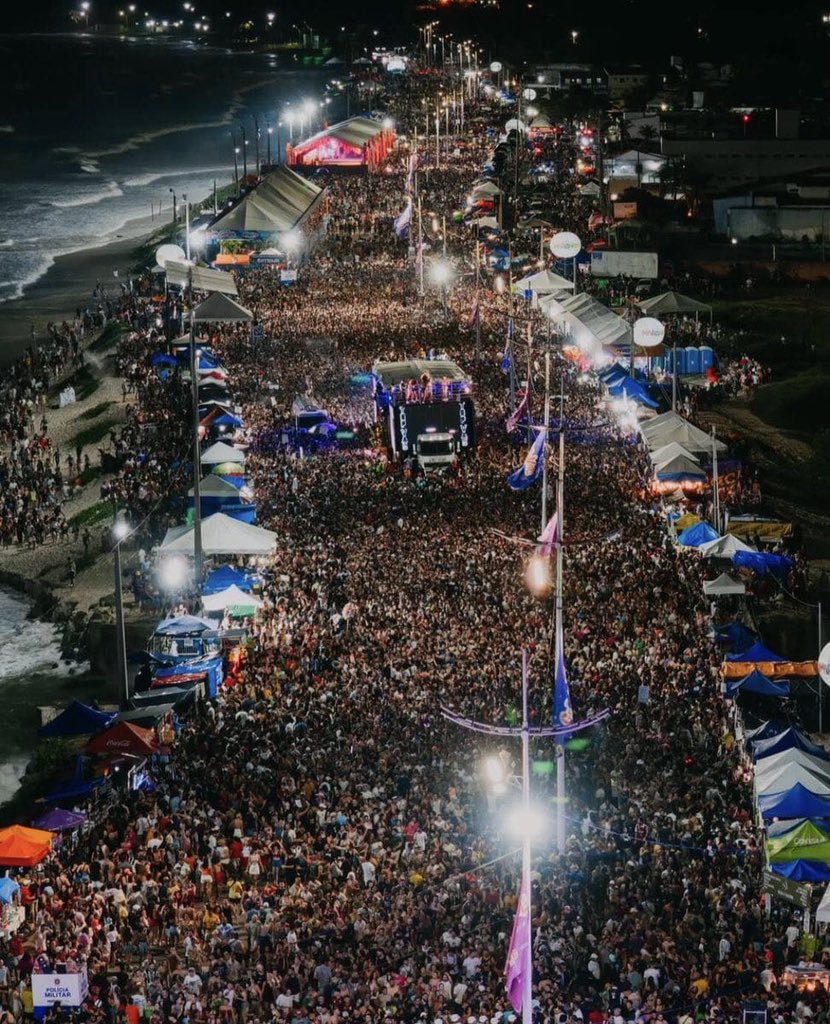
<point x="24" y="847"/>
<point x="771" y="669"/>
<point x="123" y="738"/>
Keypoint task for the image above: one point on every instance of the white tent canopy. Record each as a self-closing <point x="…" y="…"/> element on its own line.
<point x="221" y="452"/>
<point x="211" y="486"/>
<point x="790" y="775"/>
<point x="775" y="762"/>
<point x="230" y="597"/>
<point x="823" y="909"/>
<point x="591" y="326"/>
<point x="724" y="584"/>
<point x="660" y="456"/>
<point x="222" y="535"/>
<point x="203" y="279"/>
<point x="724" y="547"/>
<point x="543" y="283"/>
<point x="486" y="188"/>
<point x="218" y="307"/>
<point x="681" y="465"/>
<point x="670" y="426"/>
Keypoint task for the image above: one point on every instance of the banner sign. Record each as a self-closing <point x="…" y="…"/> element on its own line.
<point x="799" y="893"/>
<point x="66" y="989"/>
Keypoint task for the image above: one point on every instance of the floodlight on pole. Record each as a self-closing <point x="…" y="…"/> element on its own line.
<point x="173" y="573"/>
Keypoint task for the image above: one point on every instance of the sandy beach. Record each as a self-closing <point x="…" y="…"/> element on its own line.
<point x="68" y="285"/>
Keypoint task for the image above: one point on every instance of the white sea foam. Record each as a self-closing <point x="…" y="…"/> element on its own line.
<point x="29" y="646"/>
<point x="7" y="243"/>
<point x="7" y="129"/>
<point x="90" y="167"/>
<point x="112" y="191"/>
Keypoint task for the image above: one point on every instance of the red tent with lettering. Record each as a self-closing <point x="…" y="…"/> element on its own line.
<point x="22" y="847"/>
<point x="123" y="738"/>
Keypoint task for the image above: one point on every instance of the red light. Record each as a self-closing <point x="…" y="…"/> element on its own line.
<point x="746" y="119"/>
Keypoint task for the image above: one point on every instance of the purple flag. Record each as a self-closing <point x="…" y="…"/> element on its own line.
<point x="549" y="537"/>
<point x="516" y="415"/>
<point x="519" y="953"/>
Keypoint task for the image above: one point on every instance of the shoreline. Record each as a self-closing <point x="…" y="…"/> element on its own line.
<point x="68" y="284"/>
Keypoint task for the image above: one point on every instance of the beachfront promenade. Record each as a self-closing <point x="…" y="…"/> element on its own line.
<point x="318" y="846"/>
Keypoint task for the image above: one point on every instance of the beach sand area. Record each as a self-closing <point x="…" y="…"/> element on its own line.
<point x="68" y="284"/>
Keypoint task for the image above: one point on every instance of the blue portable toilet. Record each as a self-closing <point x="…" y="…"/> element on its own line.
<point x="707" y="358"/>
<point x="692" y="361"/>
<point x="680" y="355"/>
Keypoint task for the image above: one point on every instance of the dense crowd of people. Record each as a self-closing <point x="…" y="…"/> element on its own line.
<point x="320" y="847"/>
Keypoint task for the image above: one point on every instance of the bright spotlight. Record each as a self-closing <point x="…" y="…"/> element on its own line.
<point x="527" y="822"/>
<point x="173" y="572"/>
<point x="441" y="272"/>
<point x="494" y="770"/>
<point x="537" y="576"/>
<point x="120" y="529"/>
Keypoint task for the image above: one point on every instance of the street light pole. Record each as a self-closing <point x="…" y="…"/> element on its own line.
<point x="120" y="631"/>
<point x="174" y="205"/>
<point x="186" y="226"/>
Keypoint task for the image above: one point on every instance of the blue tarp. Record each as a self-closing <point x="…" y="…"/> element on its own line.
<point x="74" y="790"/>
<point x="211" y="667"/>
<point x="162" y="359"/>
<point x="736" y="635"/>
<point x="790" y="739"/>
<point x="796" y="802"/>
<point x="694" y="536"/>
<point x="757" y="652"/>
<point x="226" y="420"/>
<point x="77" y="720"/>
<point x="757" y="682"/>
<point x="224" y="577"/>
<point x="8" y="887"/>
<point x="634" y="390"/>
<point x="763" y="562"/>
<point x="184" y="625"/>
<point x="803" y="870"/>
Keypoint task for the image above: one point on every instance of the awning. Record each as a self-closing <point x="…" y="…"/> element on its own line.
<point x="202" y="279"/>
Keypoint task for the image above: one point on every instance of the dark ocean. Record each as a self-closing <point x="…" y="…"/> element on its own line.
<point x="94" y="131"/>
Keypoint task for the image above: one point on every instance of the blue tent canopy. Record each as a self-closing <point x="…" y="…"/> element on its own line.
<point x="796" y="802"/>
<point x="224" y="577"/>
<point x="77" y="720"/>
<point x="736" y="635"/>
<point x="788" y="740"/>
<point x="613" y="374"/>
<point x="226" y="420"/>
<point x="184" y="625"/>
<point x="700" y="533"/>
<point x="8" y="887"/>
<point x="634" y="390"/>
<point x="803" y="870"/>
<point x="162" y="359"/>
<point x="757" y="682"/>
<point x="765" y="730"/>
<point x="763" y="562"/>
<point x="757" y="652"/>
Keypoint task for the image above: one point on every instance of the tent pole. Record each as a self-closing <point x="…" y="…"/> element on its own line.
<point x="674" y="377"/>
<point x="715" y="482"/>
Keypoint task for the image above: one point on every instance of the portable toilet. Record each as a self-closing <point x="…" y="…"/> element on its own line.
<point x="707" y="358"/>
<point x="680" y="357"/>
<point x="692" y="361"/>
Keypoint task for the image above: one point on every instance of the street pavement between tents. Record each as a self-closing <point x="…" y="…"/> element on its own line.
<point x="319" y="845"/>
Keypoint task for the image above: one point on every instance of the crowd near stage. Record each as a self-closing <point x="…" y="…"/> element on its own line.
<point x="283" y="823"/>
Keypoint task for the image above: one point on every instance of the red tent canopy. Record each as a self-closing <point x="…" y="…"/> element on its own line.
<point x="123" y="738"/>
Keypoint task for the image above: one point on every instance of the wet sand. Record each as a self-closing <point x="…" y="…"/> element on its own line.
<point x="67" y="286"/>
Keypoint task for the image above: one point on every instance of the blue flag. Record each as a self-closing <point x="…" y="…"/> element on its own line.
<point x="403" y="220"/>
<point x="507" y="357"/>
<point x="562" y="711"/>
<point x="531" y="469"/>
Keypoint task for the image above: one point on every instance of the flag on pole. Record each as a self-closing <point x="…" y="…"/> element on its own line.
<point x="410" y="177"/>
<point x="531" y="469"/>
<point x="507" y="357"/>
<point x="519" y="953"/>
<point x="520" y="410"/>
<point x="562" y="711"/>
<point x="549" y="537"/>
<point x="403" y="220"/>
<point x="473" y="314"/>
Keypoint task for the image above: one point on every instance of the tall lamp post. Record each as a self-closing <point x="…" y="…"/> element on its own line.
<point x="121" y="530"/>
<point x="524" y="733"/>
<point x="173" y="192"/>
